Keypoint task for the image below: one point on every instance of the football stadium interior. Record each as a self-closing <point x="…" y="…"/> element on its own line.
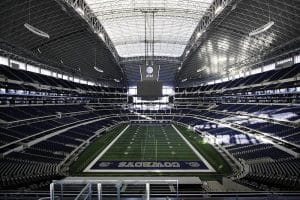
<point x="149" y="99"/>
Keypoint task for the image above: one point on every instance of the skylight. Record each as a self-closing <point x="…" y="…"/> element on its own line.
<point x="124" y="22"/>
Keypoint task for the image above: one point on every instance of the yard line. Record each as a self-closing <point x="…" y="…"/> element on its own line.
<point x="195" y="151"/>
<point x="103" y="152"/>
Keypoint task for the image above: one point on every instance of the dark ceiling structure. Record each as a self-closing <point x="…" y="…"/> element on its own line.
<point x="72" y="46"/>
<point x="219" y="46"/>
<point x="226" y="47"/>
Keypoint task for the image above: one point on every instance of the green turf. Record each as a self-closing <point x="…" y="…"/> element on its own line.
<point x="149" y="143"/>
<point x="94" y="149"/>
<point x="207" y="151"/>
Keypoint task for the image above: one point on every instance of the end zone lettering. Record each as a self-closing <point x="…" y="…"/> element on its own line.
<point x="149" y="165"/>
<point x="144" y="165"/>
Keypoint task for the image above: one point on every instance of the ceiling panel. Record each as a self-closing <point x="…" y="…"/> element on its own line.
<point x="226" y="46"/>
<point x="174" y="23"/>
<point x="71" y="46"/>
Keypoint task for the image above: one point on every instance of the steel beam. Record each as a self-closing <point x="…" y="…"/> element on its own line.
<point x="157" y="58"/>
<point x="94" y="23"/>
<point x="206" y="20"/>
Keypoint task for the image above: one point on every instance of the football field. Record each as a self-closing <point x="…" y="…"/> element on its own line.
<point x="149" y="148"/>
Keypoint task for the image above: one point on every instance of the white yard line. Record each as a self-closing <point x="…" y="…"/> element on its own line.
<point x="194" y="150"/>
<point x="104" y="151"/>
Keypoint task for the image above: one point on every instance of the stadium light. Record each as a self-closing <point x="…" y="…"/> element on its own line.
<point x="219" y="10"/>
<point x="79" y="11"/>
<point x="200" y="33"/>
<point x="262" y="29"/>
<point x="200" y="70"/>
<point x="187" y="53"/>
<point x="233" y="7"/>
<point x="98" y="69"/>
<point x="101" y="35"/>
<point x="36" y="31"/>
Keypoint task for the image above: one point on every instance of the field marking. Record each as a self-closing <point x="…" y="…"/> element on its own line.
<point x="210" y="168"/>
<point x="88" y="168"/>
<point x="195" y="150"/>
<point x="149" y="170"/>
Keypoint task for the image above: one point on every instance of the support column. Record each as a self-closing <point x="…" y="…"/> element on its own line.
<point x="52" y="191"/>
<point x="99" y="191"/>
<point x="90" y="191"/>
<point x="118" y="186"/>
<point x="61" y="191"/>
<point x="147" y="191"/>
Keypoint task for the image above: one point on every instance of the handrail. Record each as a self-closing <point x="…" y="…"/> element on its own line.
<point x="204" y="194"/>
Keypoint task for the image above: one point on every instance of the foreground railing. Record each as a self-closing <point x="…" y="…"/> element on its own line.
<point x="116" y="189"/>
<point x="12" y="195"/>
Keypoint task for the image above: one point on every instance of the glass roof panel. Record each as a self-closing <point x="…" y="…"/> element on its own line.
<point x="124" y="22"/>
<point x="161" y="49"/>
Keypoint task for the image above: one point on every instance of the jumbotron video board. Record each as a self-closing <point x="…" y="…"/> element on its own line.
<point x="149" y="89"/>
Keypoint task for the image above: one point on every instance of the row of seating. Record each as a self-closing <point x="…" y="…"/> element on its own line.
<point x="38" y="89"/>
<point x="42" y="159"/>
<point x="273" y="75"/>
<point x="30" y="77"/>
<point x="278" y="112"/>
<point x="270" y="167"/>
<point x="41" y="127"/>
<point x="286" y="132"/>
<point x="282" y="174"/>
<point x="26" y="112"/>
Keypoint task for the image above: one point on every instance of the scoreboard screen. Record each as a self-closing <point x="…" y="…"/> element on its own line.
<point x="149" y="88"/>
